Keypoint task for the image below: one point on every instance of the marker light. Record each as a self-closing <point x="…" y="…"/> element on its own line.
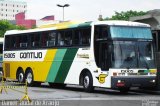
<point x="114" y="74"/>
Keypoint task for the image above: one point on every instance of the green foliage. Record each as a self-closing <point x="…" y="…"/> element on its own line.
<point x="126" y="15"/>
<point x="6" y="25"/>
<point x="20" y="27"/>
<point x="34" y="26"/>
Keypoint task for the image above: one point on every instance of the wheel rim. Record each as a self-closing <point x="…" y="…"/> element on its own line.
<point x="21" y="77"/>
<point x="86" y="81"/>
<point x="29" y="78"/>
<point x="1" y="73"/>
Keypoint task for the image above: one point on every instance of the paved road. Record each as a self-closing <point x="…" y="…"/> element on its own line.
<point x="75" y="96"/>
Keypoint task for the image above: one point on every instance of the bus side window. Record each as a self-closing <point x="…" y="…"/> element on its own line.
<point x="35" y="40"/>
<point x="51" y="41"/>
<point x="76" y="37"/>
<point x="61" y="38"/>
<point x="8" y="43"/>
<point x="86" y="34"/>
<point x="82" y="37"/>
<point x="44" y="39"/>
<point x="17" y="45"/>
<point x="23" y="41"/>
<point x="68" y="38"/>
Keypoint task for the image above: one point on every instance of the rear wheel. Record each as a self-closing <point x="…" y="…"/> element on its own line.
<point x="29" y="78"/>
<point x="1" y="75"/>
<point x="20" y="76"/>
<point x="2" y="78"/>
<point x="88" y="82"/>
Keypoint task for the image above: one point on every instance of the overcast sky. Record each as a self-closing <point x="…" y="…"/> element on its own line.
<point x="86" y="9"/>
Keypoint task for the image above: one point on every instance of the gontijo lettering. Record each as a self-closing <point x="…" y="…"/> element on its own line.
<point x="31" y="55"/>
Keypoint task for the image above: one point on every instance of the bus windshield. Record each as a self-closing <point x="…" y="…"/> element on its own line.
<point x="132" y="54"/>
<point x="130" y="32"/>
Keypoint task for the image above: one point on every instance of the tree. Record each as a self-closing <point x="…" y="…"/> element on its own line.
<point x="6" y="25"/>
<point x="20" y="27"/>
<point x="126" y="15"/>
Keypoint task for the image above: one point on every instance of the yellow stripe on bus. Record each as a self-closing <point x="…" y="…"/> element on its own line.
<point x="47" y="63"/>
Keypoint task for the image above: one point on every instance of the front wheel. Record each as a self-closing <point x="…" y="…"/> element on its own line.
<point x="88" y="82"/>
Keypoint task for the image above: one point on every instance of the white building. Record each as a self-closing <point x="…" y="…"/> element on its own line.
<point x="9" y="8"/>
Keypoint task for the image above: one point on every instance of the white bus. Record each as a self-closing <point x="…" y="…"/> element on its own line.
<point x="109" y="54"/>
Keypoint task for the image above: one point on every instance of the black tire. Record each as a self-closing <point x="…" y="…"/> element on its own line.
<point x="57" y="85"/>
<point x="1" y="75"/>
<point x="30" y="78"/>
<point x="124" y="90"/>
<point x="20" y="76"/>
<point x="88" y="82"/>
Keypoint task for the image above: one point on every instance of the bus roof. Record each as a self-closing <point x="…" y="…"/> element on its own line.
<point x="65" y="25"/>
<point x="121" y="23"/>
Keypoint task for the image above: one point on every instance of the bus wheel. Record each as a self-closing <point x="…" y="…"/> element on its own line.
<point x="1" y="75"/>
<point x="88" y="82"/>
<point x="29" y="78"/>
<point x="20" y="76"/>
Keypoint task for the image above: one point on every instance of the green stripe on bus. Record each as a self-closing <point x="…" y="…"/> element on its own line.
<point x="65" y="66"/>
<point x="56" y="65"/>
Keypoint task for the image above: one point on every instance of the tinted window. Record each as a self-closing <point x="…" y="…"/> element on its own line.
<point x="56" y="38"/>
<point x="51" y="40"/>
<point x="82" y="36"/>
<point x="35" y="40"/>
<point x="101" y="32"/>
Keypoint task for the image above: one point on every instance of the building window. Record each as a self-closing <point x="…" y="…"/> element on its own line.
<point x="6" y="15"/>
<point x="13" y="10"/>
<point x="6" y="4"/>
<point x="1" y="4"/>
<point x="17" y="5"/>
<point x="13" y="5"/>
<point x="1" y="9"/>
<point x="6" y="9"/>
<point x="2" y="15"/>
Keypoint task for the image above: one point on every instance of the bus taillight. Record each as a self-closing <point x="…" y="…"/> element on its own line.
<point x="120" y="83"/>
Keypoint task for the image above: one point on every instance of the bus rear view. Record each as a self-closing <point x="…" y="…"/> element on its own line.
<point x="125" y="52"/>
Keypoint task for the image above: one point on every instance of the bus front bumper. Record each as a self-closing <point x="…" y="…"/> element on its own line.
<point x="128" y="81"/>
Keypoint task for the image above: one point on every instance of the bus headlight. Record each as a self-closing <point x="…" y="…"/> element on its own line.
<point x="153" y="81"/>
